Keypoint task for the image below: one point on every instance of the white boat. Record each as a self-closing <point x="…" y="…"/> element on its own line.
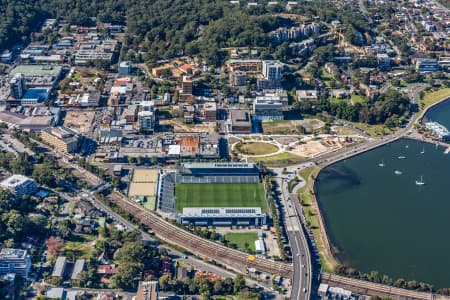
<point x="381" y="164"/>
<point x="406" y="146"/>
<point x="423" y="151"/>
<point x="401" y="157"/>
<point x="397" y="172"/>
<point x="420" y="182"/>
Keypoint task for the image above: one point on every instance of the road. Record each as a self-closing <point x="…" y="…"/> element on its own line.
<point x="293" y="216"/>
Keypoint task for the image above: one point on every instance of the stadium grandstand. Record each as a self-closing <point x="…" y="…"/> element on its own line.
<point x="249" y="216"/>
<point x="214" y="194"/>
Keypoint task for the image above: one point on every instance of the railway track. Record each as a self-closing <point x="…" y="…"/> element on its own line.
<point x="203" y="248"/>
<point x="370" y="288"/>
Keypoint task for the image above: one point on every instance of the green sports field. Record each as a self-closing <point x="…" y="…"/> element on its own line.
<point x="220" y="195"/>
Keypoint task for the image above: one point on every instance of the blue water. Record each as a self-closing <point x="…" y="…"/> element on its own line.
<point x="380" y="221"/>
<point x="440" y="114"/>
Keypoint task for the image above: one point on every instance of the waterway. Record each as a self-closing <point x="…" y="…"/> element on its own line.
<point x="380" y="220"/>
<point x="440" y="113"/>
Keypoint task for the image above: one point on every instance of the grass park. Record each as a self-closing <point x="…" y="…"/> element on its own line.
<point x="257" y="148"/>
<point x="241" y="240"/>
<point x="220" y="195"/>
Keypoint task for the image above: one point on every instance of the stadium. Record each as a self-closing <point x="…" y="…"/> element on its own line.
<point x="214" y="194"/>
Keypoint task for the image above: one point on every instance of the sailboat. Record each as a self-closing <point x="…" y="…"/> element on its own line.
<point x="420" y="182"/>
<point x="397" y="172"/>
<point x="423" y="151"/>
<point x="381" y="164"/>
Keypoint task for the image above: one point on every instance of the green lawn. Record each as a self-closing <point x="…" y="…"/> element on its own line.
<point x="258" y="148"/>
<point x="358" y="99"/>
<point x="220" y="195"/>
<point x="149" y="203"/>
<point x="434" y="97"/>
<point x="241" y="238"/>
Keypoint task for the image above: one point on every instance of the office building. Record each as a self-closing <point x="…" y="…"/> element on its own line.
<point x="17" y="86"/>
<point x="426" y="65"/>
<point x="267" y="108"/>
<point x="19" y="185"/>
<point x="15" y="261"/>
<point x="148" y="290"/>
<point x="62" y="139"/>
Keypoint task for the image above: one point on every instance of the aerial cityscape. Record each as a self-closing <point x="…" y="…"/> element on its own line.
<point x="224" y="149"/>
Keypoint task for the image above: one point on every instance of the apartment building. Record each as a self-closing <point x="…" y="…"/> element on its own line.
<point x="19" y="185"/>
<point x="15" y="261"/>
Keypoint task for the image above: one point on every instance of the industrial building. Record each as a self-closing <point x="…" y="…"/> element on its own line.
<point x="19" y="185"/>
<point x="15" y="261"/>
<point x="62" y="139"/>
<point x="426" y="65"/>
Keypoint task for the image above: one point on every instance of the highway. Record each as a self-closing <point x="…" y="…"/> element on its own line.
<point x="301" y="280"/>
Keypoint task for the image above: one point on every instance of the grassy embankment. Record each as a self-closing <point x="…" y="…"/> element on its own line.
<point x="311" y="213"/>
<point x="280" y="160"/>
<point x="433" y="97"/>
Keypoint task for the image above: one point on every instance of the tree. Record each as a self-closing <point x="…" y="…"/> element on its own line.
<point x="239" y="284"/>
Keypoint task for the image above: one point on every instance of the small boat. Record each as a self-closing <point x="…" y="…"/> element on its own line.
<point x="397" y="172"/>
<point x="423" y="151"/>
<point x="420" y="182"/>
<point x="407" y="146"/>
<point x="401" y="157"/>
<point x="381" y="164"/>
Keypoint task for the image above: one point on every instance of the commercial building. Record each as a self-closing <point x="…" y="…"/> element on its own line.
<point x="91" y="99"/>
<point x="42" y="76"/>
<point x="148" y="290"/>
<point x="35" y="96"/>
<point x="240" y="121"/>
<point x="61" y="138"/>
<point x="267" y="108"/>
<point x="19" y="185"/>
<point x="15" y="261"/>
<point x="217" y="216"/>
<point x="306" y="95"/>
<point x="426" y="65"/>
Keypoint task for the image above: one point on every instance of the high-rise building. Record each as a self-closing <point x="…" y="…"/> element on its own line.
<point x="14" y="261"/>
<point x="187" y="85"/>
<point x="148" y="290"/>
<point x="146" y="117"/>
<point x="271" y="70"/>
<point x="17" y="86"/>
